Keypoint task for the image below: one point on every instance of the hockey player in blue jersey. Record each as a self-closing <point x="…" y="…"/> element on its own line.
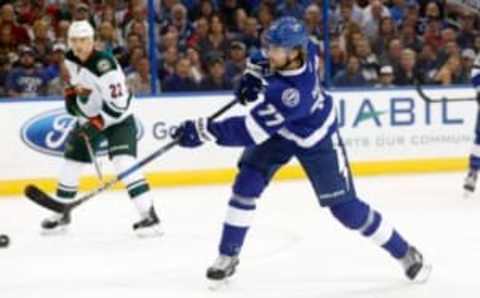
<point x="292" y="117"/>
<point x="474" y="160"/>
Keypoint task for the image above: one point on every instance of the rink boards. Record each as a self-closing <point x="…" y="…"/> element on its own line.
<point x="386" y="131"/>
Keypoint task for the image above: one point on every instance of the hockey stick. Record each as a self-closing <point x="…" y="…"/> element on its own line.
<point x="93" y="158"/>
<point x="40" y="197"/>
<point x="429" y="99"/>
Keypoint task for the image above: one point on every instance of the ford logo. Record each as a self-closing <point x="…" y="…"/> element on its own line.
<point x="47" y="132"/>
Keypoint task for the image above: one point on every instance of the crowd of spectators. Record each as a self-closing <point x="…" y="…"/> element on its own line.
<point x="202" y="45"/>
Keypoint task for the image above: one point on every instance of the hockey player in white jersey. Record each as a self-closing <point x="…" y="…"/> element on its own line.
<point x="101" y="102"/>
<point x="293" y="117"/>
<point x="474" y="160"/>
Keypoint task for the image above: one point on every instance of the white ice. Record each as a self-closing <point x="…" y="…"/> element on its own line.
<point x="295" y="249"/>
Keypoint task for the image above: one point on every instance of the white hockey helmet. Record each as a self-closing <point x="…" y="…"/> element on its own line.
<point x="80" y="29"/>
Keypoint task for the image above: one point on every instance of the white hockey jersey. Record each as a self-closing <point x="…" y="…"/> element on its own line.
<point x="102" y="75"/>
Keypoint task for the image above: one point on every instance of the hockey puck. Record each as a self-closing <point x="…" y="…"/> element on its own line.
<point x="4" y="241"/>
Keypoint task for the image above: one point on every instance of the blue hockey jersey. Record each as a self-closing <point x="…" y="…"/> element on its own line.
<point x="293" y="105"/>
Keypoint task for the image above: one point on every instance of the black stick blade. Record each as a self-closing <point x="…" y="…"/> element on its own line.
<point x="38" y="196"/>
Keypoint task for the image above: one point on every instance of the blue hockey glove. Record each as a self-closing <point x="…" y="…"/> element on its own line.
<point x="249" y="87"/>
<point x="192" y="134"/>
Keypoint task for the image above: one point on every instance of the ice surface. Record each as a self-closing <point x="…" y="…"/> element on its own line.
<point x="295" y="249"/>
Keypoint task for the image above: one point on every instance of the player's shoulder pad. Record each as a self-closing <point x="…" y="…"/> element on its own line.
<point x="101" y="63"/>
<point x="284" y="96"/>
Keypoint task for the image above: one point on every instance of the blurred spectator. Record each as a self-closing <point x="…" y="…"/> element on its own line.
<point x="205" y="9"/>
<point x="180" y="22"/>
<point x="351" y="76"/>
<point x="42" y="39"/>
<point x="4" y="70"/>
<point x="57" y="83"/>
<point x="349" y="11"/>
<point x="427" y="63"/>
<point x="398" y="10"/>
<point x="168" y="63"/>
<point x="251" y="36"/>
<point x="237" y="60"/>
<point x="467" y="32"/>
<point x="19" y="34"/>
<point x="372" y="16"/>
<point x="196" y="70"/>
<point x="468" y="58"/>
<point x="386" y="32"/>
<point x="265" y="16"/>
<point x="139" y="81"/>
<point x="107" y="37"/>
<point x="432" y="33"/>
<point x="235" y="32"/>
<point x="136" y="54"/>
<point x="7" y="41"/>
<point x="410" y="38"/>
<point x="406" y="74"/>
<point x="227" y="11"/>
<point x="216" y="80"/>
<point x="393" y="54"/>
<point x="338" y="57"/>
<point x="368" y="60"/>
<point x="82" y="12"/>
<point x="386" y="77"/>
<point x="62" y="30"/>
<point x="293" y="8"/>
<point x="216" y="40"/>
<point x="181" y="79"/>
<point x="450" y="72"/>
<point x="26" y="80"/>
<point x="200" y="32"/>
<point x="313" y="20"/>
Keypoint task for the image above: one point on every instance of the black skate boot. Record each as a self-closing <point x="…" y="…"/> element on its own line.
<point x="149" y="225"/>
<point x="223" y="267"/>
<point x="470" y="183"/>
<point x="415" y="267"/>
<point x="56" y="223"/>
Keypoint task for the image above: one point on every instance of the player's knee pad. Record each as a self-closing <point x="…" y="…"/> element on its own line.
<point x="352" y="214"/>
<point x="249" y="182"/>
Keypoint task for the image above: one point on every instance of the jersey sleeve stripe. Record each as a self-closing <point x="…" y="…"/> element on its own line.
<point x="257" y="133"/>
<point x="109" y="111"/>
<point x="315" y="137"/>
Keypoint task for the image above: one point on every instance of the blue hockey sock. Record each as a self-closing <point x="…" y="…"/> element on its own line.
<point x="239" y="218"/>
<point x="359" y="216"/>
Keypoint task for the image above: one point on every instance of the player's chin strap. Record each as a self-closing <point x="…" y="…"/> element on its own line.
<point x="40" y="197"/>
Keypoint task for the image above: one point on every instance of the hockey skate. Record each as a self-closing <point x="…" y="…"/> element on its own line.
<point x="56" y="224"/>
<point x="149" y="226"/>
<point x="223" y="268"/>
<point x="470" y="183"/>
<point x="416" y="269"/>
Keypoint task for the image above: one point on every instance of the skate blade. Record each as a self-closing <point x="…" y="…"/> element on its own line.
<point x="150" y="232"/>
<point x="467" y="194"/>
<point x="217" y="285"/>
<point x="54" y="232"/>
<point x="424" y="274"/>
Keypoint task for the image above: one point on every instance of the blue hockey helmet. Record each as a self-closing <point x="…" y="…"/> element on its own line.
<point x="287" y="32"/>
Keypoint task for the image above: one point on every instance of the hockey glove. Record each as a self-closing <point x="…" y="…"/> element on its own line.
<point x="92" y="128"/>
<point x="192" y="134"/>
<point x="250" y="85"/>
<point x="70" y="96"/>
